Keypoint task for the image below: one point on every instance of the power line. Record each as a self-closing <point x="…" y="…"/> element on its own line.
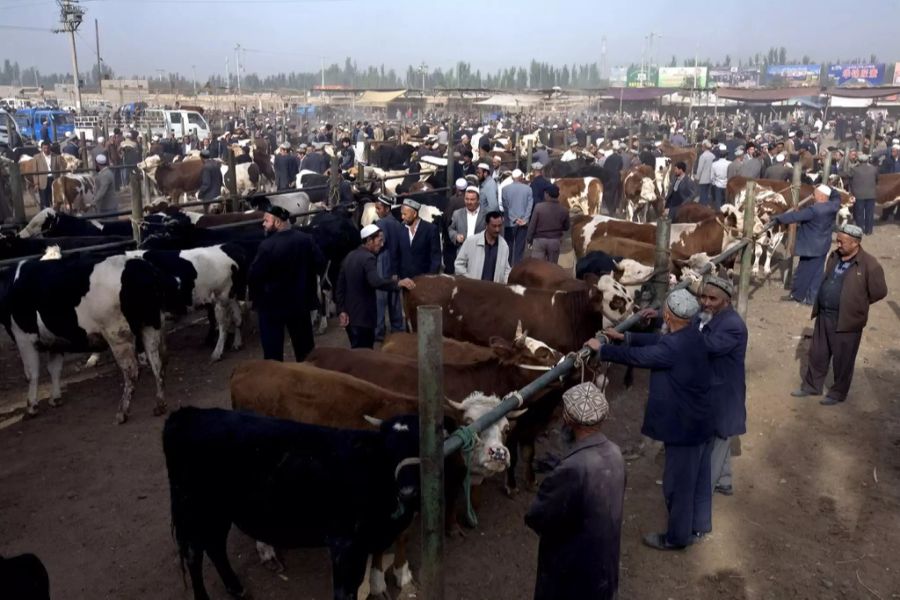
<point x="24" y="28"/>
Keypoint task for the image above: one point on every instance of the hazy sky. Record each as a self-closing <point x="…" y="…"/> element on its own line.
<point x="141" y="36"/>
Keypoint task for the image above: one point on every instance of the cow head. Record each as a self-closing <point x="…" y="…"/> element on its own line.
<point x="149" y="165"/>
<point x="631" y="272"/>
<point x="490" y="455"/>
<point x="41" y="223"/>
<point x="610" y="298"/>
<point x="525" y="352"/>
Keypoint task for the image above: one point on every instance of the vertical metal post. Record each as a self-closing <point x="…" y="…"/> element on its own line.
<point x="334" y="189"/>
<point x="137" y="207"/>
<point x="431" y="449"/>
<point x="747" y="252"/>
<point x="450" y="162"/>
<point x="231" y="183"/>
<point x="661" y="262"/>
<point x="516" y="140"/>
<point x="17" y="191"/>
<point x="826" y="167"/>
<point x="791" y="237"/>
<point x="529" y="152"/>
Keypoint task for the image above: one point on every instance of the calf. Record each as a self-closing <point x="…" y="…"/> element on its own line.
<point x="581" y="194"/>
<point x="214" y="275"/>
<point x="24" y="577"/>
<point x="627" y="276"/>
<point x="247" y="179"/>
<point x="83" y="304"/>
<point x="640" y="193"/>
<point x="290" y="485"/>
<point x="73" y="192"/>
<point x="173" y="180"/>
<point x="476" y="310"/>
<point x="52" y="223"/>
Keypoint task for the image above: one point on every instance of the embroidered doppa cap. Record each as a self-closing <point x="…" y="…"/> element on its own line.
<point x="683" y="304"/>
<point x="723" y="284"/>
<point x="412" y="204"/>
<point x="585" y="404"/>
<point x="853" y="231"/>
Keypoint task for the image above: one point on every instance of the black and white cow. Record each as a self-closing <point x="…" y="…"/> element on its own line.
<point x="290" y="485"/>
<point x="213" y="276"/>
<point x="84" y="304"/>
<point x="12" y="246"/>
<point x="52" y="223"/>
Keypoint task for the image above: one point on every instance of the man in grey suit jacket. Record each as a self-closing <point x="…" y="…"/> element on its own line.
<point x="468" y="220"/>
<point x="485" y="255"/>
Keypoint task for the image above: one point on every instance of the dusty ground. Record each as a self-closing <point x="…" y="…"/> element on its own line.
<point x="815" y="514"/>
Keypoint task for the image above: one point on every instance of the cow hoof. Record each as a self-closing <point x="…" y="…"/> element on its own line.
<point x="30" y="413"/>
<point x="121" y="418"/>
<point x="160" y="409"/>
<point x="215" y="358"/>
<point x="380" y="596"/>
<point x="237" y="346"/>
<point x="55" y="402"/>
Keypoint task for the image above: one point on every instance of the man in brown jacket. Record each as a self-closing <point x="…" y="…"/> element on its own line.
<point x="549" y="222"/>
<point x="853" y="281"/>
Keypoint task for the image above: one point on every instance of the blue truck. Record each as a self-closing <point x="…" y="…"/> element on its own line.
<point x="30" y="123"/>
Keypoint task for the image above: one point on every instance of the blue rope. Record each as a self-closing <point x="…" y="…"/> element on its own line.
<point x="468" y="438"/>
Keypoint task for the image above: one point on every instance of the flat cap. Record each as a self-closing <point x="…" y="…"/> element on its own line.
<point x="585" y="404"/>
<point x="854" y="231"/>
<point x="682" y="304"/>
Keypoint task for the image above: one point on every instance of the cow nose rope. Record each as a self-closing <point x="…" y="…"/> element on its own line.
<point x="468" y="438"/>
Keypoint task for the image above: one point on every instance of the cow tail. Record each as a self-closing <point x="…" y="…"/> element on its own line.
<point x="178" y="497"/>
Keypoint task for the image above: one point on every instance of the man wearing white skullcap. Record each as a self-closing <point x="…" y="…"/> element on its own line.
<point x="578" y="510"/>
<point x="356" y="286"/>
<point x="679" y="413"/>
<point x="813" y="242"/>
<point x="104" y="186"/>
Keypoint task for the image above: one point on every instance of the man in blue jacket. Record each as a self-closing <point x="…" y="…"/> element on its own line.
<point x="725" y="336"/>
<point x="679" y="413"/>
<point x="388" y="262"/>
<point x="813" y="242"/>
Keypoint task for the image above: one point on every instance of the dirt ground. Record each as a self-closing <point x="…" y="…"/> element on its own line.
<point x="814" y="516"/>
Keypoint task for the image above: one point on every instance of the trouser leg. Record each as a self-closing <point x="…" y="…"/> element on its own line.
<point x="395" y="312"/>
<point x="870" y="216"/>
<point x="361" y="337"/>
<point x="381" y="300"/>
<point x="271" y="335"/>
<point x="552" y="250"/>
<point x="680" y="476"/>
<point x="704" y="194"/>
<point x="702" y="521"/>
<point x="300" y="329"/>
<point x="845" y="346"/>
<point x="819" y="354"/>
<point x="509" y="234"/>
<point x="720" y="463"/>
<point x="46" y="195"/>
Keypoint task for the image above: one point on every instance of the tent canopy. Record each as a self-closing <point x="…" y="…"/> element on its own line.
<point x="370" y="98"/>
<point x="510" y="100"/>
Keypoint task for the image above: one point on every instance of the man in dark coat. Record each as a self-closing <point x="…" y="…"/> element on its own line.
<point x="282" y="285"/>
<point x="578" y="509"/>
<point x="679" y="413"/>
<point x="612" y="170"/>
<point x="539" y="183"/>
<point x="388" y="266"/>
<point x="210" y="178"/>
<point x="853" y="281"/>
<point x="357" y="283"/>
<point x="813" y="242"/>
<point x="682" y="190"/>
<point x="286" y="167"/>
<point x="420" y="245"/>
<point x="725" y="337"/>
<point x="315" y="160"/>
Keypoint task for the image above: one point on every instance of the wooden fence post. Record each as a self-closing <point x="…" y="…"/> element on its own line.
<point x="334" y="184"/>
<point x="17" y="191"/>
<point x="747" y="252"/>
<point x="231" y="183"/>
<point x="791" y="238"/>
<point x="431" y="449"/>
<point x="137" y="207"/>
<point x="661" y="262"/>
<point x="451" y="182"/>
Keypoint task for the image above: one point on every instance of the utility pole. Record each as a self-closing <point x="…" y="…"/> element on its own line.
<point x="602" y="58"/>
<point x="70" y="17"/>
<point x="322" y="65"/>
<point x="423" y="69"/>
<point x="227" y="77"/>
<point x="99" y="67"/>
<point x="237" y="58"/>
<point x="194" y="71"/>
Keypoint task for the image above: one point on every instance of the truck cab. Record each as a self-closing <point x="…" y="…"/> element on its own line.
<point x="181" y="122"/>
<point x="59" y="123"/>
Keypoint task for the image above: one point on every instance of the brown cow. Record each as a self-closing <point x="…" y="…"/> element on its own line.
<point x="73" y="192"/>
<point x="887" y="190"/>
<point x="476" y="310"/>
<point x="581" y="194"/>
<point x="737" y="184"/>
<point x="694" y="212"/>
<point x="640" y="193"/>
<point x="688" y="155"/>
<point x="498" y="370"/>
<point x="541" y="274"/>
<point x="173" y="180"/>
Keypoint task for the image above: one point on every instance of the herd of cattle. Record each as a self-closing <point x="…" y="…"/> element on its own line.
<point x="341" y="422"/>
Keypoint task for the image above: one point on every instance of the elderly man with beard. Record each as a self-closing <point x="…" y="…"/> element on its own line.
<point x="679" y="413"/>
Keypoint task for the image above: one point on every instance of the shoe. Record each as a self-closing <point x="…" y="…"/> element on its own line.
<point x="725" y="490"/>
<point x="829" y="401"/>
<point x="698" y="537"/>
<point x="658" y="541"/>
<point x="803" y="393"/>
<point x="788" y="298"/>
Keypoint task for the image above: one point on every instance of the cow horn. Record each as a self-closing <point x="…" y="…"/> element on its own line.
<point x="617" y="266"/>
<point x="516" y="414"/>
<point x="455" y="405"/>
<point x="373" y="420"/>
<point x="519" y="333"/>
